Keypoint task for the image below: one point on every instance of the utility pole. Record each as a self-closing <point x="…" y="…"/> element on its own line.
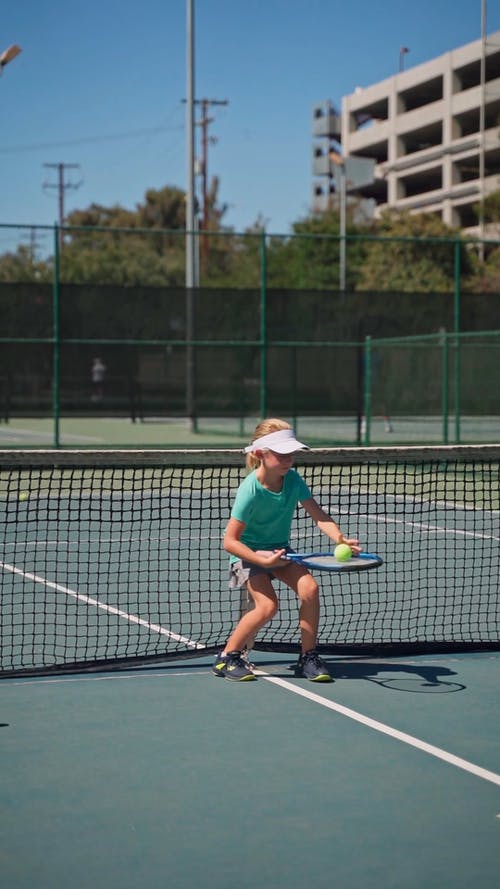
<point x="61" y="186"/>
<point x="205" y="141"/>
<point x="32" y="241"/>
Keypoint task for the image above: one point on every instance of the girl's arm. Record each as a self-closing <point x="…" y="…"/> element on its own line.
<point x="233" y="544"/>
<point x="326" y="524"/>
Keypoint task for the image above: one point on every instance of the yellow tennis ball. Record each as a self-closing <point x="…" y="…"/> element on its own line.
<point x="23" y="496"/>
<point x="342" y="552"/>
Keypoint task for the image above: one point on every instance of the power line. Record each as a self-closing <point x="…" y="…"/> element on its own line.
<point x="146" y="131"/>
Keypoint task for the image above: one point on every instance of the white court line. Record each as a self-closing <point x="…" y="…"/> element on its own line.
<point x="423" y="526"/>
<point x="450" y="758"/>
<point x="89" y="600"/>
<point x="388" y="520"/>
<point x="405" y="738"/>
<point x="15" y="432"/>
<point x="99" y="540"/>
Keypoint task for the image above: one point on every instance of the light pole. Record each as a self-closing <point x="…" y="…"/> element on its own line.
<point x="8" y="54"/>
<point x="338" y="160"/>
<point x="351" y="174"/>
<point x="190" y="220"/>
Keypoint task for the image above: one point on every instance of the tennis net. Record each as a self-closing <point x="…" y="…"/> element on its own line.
<point x="115" y="558"/>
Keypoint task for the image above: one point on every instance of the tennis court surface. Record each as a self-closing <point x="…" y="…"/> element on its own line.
<point x="126" y="763"/>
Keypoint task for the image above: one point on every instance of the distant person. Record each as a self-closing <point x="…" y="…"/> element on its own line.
<point x="376" y="363"/>
<point x="97" y="376"/>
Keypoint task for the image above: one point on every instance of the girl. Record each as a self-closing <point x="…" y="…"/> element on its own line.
<point x="257" y="538"/>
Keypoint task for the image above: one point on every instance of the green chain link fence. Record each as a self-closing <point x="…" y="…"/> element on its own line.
<point x="358" y="366"/>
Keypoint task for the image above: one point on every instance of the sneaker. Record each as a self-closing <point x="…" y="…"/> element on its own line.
<point x="310" y="666"/>
<point x="232" y="666"/>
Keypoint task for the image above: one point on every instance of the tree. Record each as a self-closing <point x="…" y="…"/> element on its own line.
<point x="486" y="275"/>
<point x="151" y="252"/>
<point x="165" y="209"/>
<point x="491" y="208"/>
<point x="412" y="252"/>
<point x="22" y="266"/>
<point x="310" y="258"/>
<point x="399" y="251"/>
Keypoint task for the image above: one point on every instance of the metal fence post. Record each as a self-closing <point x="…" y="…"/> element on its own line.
<point x="445" y="384"/>
<point x="56" y="340"/>
<point x="456" y="329"/>
<point x="263" y="326"/>
<point x="368" y="390"/>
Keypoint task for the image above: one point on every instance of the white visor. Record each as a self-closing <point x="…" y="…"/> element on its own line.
<point x="282" y="442"/>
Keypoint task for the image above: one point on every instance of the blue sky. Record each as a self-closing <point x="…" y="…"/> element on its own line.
<point x="101" y="84"/>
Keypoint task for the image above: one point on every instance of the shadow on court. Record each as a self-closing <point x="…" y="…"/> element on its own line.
<point x="403" y="677"/>
<point x="422" y="678"/>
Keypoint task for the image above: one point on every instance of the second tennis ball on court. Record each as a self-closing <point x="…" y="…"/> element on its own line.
<point x="342" y="552"/>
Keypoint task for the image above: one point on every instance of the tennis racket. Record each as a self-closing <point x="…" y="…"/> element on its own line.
<point x="328" y="562"/>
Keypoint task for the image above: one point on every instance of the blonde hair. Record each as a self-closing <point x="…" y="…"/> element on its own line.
<point x="265" y="427"/>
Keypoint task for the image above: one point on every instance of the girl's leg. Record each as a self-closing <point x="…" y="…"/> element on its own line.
<point x="309" y="665"/>
<point x="306" y="588"/>
<point x="246" y="605"/>
<point x="265" y="603"/>
<point x="308" y="594"/>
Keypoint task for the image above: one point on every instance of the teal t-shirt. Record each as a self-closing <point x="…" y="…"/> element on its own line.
<point x="267" y="515"/>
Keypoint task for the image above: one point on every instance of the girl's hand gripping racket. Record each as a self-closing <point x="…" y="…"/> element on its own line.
<point x="328" y="562"/>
